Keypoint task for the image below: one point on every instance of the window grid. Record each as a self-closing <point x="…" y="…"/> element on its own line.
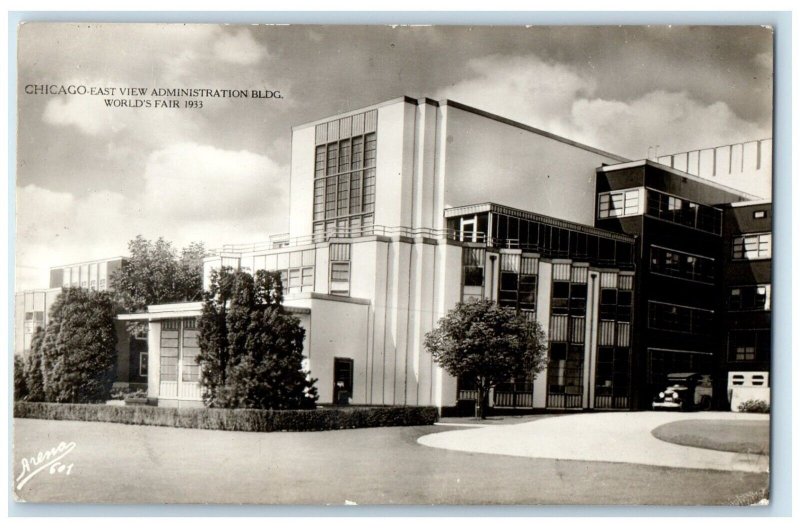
<point x="340" y="278"/>
<point x="750" y="247"/>
<point x="344" y="186"/>
<point x="619" y="203"/>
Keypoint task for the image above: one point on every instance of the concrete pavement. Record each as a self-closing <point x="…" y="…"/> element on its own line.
<point x="607" y="437"/>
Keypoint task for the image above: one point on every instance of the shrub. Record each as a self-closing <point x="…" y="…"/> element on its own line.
<point x="123" y="393"/>
<point x="250" y="420"/>
<point x="754" y="406"/>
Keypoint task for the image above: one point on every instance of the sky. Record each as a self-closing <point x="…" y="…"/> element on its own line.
<point x="90" y="178"/>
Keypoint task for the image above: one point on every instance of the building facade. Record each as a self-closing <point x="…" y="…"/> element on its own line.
<point x="400" y="210"/>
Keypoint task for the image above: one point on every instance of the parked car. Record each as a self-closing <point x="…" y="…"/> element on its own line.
<point x="686" y="391"/>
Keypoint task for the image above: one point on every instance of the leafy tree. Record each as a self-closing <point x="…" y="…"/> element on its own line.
<point x="251" y="350"/>
<point x="34" y="377"/>
<point x="154" y="274"/>
<point x="488" y="344"/>
<point x="20" y="383"/>
<point x="79" y="347"/>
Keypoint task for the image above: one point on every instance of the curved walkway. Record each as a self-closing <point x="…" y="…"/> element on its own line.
<point x="608" y="437"/>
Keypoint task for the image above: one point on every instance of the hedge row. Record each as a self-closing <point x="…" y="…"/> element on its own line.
<point x="251" y="420"/>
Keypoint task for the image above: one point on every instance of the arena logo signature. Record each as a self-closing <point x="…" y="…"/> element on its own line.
<point x="43" y="460"/>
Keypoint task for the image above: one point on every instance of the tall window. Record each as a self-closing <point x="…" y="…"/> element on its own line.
<point x="344" y="175"/>
<point x="339" y="255"/>
<point x="750" y="247"/>
<point x="179" y="349"/>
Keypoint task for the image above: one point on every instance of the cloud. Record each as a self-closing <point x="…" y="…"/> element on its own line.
<point x="192" y="192"/>
<point x="631" y="127"/>
<point x="537" y="92"/>
<point x="84" y="112"/>
<point x="239" y="48"/>
<point x="561" y="99"/>
<point x="190" y="181"/>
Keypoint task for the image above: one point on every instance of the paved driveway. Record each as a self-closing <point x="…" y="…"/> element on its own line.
<point x="140" y="464"/>
<point x="608" y="437"/>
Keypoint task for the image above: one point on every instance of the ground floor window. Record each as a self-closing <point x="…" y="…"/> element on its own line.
<point x="178" y="351"/>
<point x="662" y="362"/>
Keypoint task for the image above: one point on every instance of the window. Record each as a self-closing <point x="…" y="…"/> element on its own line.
<point x="749" y="345"/>
<point x="619" y="203"/>
<point x="682" y="265"/>
<point x="169" y="350"/>
<point x="190" y="370"/>
<point x="296" y="269"/>
<point x="473" y="262"/>
<point x="143" y="364"/>
<point x="340" y="278"/>
<point x="749" y="297"/>
<point x="680" y="211"/>
<point x="675" y="318"/>
<point x="178" y="347"/>
<point x="750" y="247"/>
<point x="344" y="175"/>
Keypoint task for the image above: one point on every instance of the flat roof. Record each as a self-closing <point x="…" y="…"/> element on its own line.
<point x="81" y="263"/>
<point x="667" y="168"/>
<point x="487" y="207"/>
<point x="465" y="108"/>
<point x="157" y="312"/>
<point x="746" y="203"/>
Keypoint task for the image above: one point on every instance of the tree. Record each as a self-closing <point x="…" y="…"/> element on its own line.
<point x="154" y="274"/>
<point x="34" y="377"/>
<point x="488" y="344"/>
<point x="79" y="347"/>
<point x="251" y="350"/>
<point x="20" y="383"/>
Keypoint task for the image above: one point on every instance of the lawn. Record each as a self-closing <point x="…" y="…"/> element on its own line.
<point x="750" y="437"/>
<point x="141" y="464"/>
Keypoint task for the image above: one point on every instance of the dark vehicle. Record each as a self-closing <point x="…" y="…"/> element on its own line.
<point x="685" y="391"/>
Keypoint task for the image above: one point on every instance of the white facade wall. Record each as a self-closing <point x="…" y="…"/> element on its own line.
<point x="744" y="166"/>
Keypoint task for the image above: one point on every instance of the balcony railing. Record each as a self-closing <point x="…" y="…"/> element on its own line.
<point x="352" y="232"/>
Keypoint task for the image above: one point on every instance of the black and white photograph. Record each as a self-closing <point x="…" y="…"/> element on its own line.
<point x="393" y="264"/>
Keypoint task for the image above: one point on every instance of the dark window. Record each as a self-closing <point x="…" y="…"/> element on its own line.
<point x="683" y="265"/>
<point x="664" y="316"/>
<point x="684" y="212"/>
<point x="749" y="297"/>
<point x="749" y="345"/>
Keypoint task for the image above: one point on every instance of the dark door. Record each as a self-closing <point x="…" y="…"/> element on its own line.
<point x="342" y="380"/>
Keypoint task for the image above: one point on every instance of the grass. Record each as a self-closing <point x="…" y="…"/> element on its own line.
<point x="750" y="437"/>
